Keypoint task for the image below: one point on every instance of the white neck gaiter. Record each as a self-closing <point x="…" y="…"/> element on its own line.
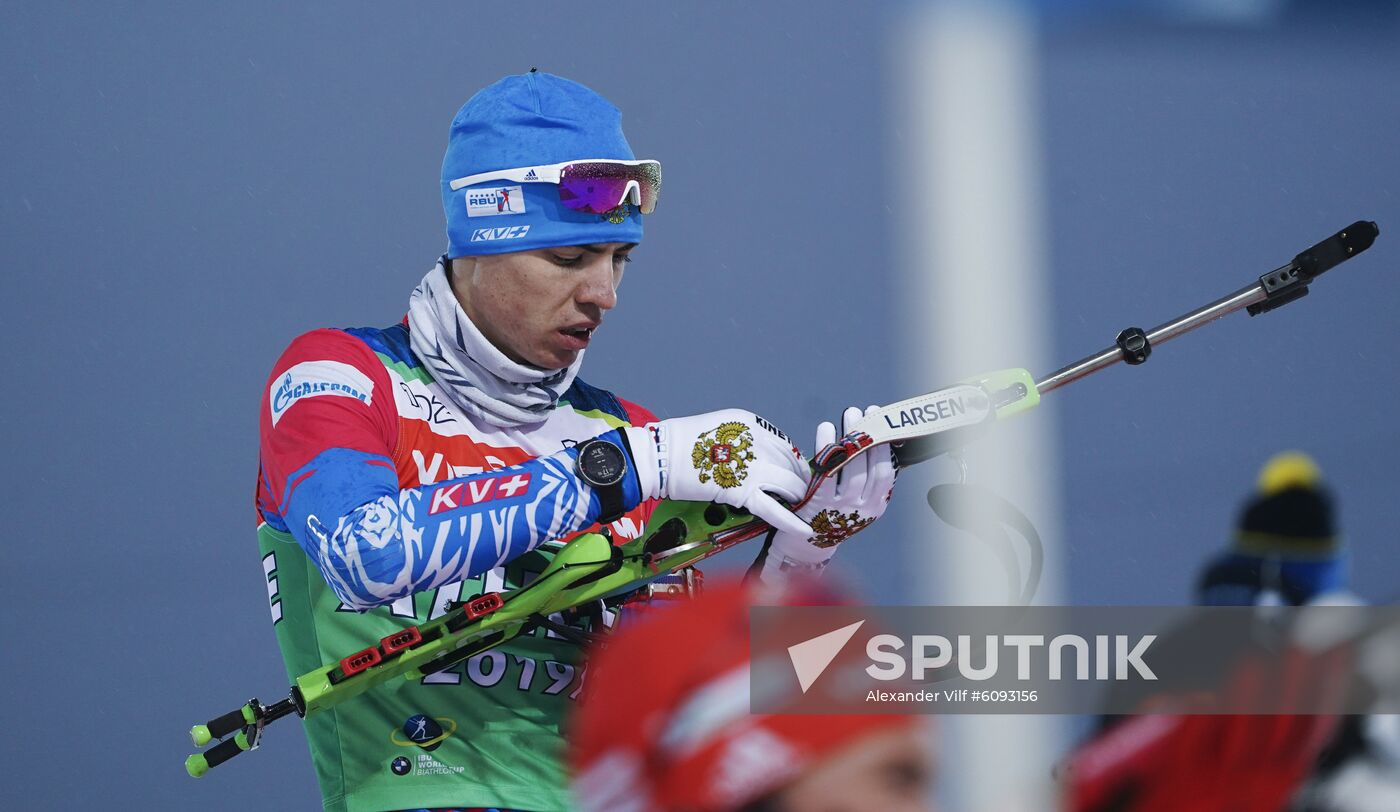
<point x="477" y="376"/>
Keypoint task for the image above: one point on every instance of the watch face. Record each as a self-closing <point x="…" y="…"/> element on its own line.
<point x="602" y="463"/>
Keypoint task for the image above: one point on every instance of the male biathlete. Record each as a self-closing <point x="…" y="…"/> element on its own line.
<point x="409" y="467"/>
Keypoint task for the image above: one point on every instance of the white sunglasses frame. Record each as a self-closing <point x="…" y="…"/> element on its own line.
<point x="552" y="173"/>
<point x="545" y="173"/>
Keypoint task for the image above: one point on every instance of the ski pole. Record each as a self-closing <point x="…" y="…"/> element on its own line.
<point x="1273" y="290"/>
<point x="1133" y="345"/>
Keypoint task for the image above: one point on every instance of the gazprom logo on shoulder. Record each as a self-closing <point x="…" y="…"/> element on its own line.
<point x="310" y="379"/>
<point x="511" y="233"/>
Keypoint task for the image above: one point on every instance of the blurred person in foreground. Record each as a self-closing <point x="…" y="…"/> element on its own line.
<point x="681" y="737"/>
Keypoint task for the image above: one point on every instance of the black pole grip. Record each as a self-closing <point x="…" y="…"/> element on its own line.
<point x="226" y="724"/>
<point x="221" y="752"/>
<point x="1336" y="249"/>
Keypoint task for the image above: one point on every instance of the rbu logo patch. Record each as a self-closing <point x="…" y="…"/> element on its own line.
<point x="512" y="233"/>
<point x="491" y="202"/>
<point x="310" y="379"/>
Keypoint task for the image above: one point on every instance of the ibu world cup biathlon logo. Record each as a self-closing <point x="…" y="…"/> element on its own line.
<point x="424" y="732"/>
<point x="833" y="527"/>
<point x="723" y="454"/>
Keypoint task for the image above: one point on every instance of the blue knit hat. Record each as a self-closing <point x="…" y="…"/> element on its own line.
<point x="528" y="120"/>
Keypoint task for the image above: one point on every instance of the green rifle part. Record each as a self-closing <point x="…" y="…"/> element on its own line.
<point x="586" y="570"/>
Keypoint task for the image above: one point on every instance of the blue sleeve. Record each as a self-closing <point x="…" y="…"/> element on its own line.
<point x="375" y="543"/>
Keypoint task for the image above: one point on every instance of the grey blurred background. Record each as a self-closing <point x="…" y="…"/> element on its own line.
<point x="185" y="189"/>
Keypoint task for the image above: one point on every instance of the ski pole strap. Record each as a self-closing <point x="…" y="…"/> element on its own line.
<point x="954" y="419"/>
<point x="987" y="516"/>
<point x="927" y="425"/>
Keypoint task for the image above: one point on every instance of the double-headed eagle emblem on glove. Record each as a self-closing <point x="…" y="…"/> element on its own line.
<point x="723" y="454"/>
<point x="833" y="526"/>
<point x="619" y="214"/>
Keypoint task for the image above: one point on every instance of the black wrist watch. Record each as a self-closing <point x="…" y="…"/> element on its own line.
<point x="603" y="466"/>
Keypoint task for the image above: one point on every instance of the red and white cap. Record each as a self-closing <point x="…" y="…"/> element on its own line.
<point x="665" y="724"/>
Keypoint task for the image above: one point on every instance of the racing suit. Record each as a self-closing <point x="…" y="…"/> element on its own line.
<point x="379" y="505"/>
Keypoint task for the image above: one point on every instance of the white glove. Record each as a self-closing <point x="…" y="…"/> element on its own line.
<point x="730" y="456"/>
<point x="843" y="506"/>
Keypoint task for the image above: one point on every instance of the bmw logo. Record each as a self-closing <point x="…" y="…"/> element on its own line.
<point x="400" y="766"/>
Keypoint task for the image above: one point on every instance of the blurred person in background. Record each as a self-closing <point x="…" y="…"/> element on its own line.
<point x="664" y="724"/>
<point x="405" y="468"/>
<point x="1286" y="551"/>
<point x="1286" y="548"/>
